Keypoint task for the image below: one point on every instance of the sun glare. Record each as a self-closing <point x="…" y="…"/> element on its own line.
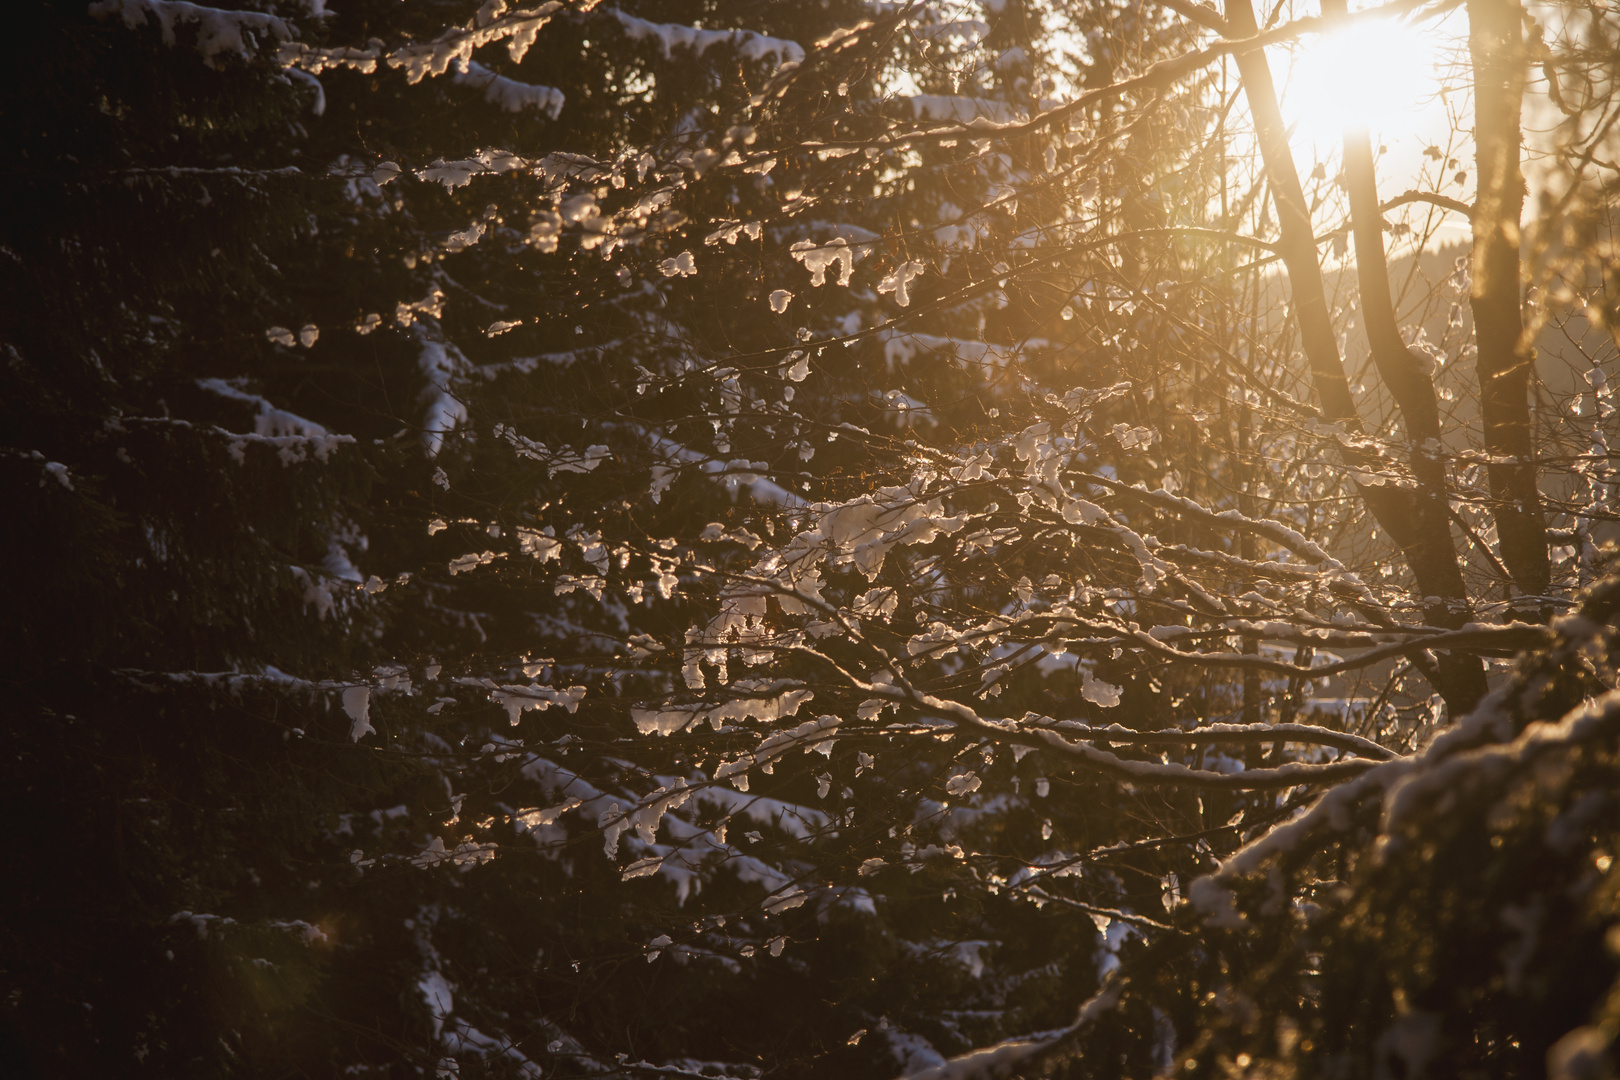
<point x="1377" y="74"/>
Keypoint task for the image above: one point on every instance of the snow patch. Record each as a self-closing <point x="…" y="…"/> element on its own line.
<point x="357" y="703"/>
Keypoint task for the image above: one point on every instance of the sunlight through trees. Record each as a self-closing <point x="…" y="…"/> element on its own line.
<point x="716" y="539"/>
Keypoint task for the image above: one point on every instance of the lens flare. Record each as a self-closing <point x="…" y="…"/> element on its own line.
<point x="1374" y="74"/>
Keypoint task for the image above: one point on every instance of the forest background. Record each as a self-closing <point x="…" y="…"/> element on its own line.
<point x="739" y="539"/>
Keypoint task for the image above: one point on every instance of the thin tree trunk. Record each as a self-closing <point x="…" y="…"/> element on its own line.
<point x="1407" y="379"/>
<point x="1249" y="549"/>
<point x="1297" y="245"/>
<point x="1430" y="553"/>
<point x="1497" y="47"/>
<point x="1430" y="547"/>
<point x="1402" y="372"/>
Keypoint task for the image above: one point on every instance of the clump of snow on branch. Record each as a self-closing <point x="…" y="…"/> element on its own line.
<point x="218" y="31"/>
<point x="510" y="94"/>
<point x="749" y="44"/>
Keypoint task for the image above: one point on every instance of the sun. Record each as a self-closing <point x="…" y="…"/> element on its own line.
<point x="1377" y="75"/>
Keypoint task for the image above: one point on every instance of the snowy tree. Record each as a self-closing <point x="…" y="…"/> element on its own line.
<point x="709" y="539"/>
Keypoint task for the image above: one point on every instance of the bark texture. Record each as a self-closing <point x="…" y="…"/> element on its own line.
<point x="1496" y="45"/>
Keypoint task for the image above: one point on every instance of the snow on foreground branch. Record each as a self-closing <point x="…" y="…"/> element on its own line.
<point x="1017" y="1055"/>
<point x="1500" y="736"/>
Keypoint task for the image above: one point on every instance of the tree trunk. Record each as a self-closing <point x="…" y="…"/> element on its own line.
<point x="1497" y="47"/>
<point x="1297" y="245"/>
<point x="1429" y="547"/>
